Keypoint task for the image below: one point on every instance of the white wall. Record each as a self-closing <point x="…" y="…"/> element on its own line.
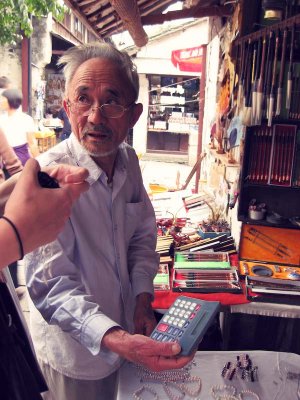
<point x="10" y="64"/>
<point x="155" y="57"/>
<point x="140" y="129"/>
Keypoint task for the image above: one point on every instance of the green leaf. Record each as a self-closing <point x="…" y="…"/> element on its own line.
<point x="15" y="17"/>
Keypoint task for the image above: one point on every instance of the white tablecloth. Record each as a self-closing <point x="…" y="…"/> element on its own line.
<point x="267" y="309"/>
<point x="275" y="371"/>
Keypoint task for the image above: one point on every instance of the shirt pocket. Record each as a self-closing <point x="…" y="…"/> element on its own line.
<point x="133" y="217"/>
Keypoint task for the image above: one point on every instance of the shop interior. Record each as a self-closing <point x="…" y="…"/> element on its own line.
<point x="173" y="107"/>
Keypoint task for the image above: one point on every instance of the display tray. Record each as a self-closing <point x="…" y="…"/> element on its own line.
<point x="201" y="260"/>
<point x="268" y="290"/>
<point x="206" y="281"/>
<point x="269" y="252"/>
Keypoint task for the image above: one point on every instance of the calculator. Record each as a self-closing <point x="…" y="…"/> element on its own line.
<point x="186" y="322"/>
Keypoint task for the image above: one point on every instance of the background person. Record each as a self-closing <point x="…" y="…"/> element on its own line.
<point x="5" y="83"/>
<point x="66" y="130"/>
<point x="93" y="287"/>
<point x="18" y="127"/>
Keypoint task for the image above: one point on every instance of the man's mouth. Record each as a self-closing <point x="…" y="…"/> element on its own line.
<point x="97" y="135"/>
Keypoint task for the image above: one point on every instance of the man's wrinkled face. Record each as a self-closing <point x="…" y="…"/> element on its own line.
<point x="97" y="82"/>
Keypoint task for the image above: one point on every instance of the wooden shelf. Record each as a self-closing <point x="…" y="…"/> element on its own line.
<point x="223" y="158"/>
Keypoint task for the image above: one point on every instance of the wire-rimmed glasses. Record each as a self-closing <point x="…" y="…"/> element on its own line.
<point x="106" y="110"/>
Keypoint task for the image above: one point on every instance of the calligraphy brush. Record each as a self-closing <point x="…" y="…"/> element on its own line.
<point x="272" y="92"/>
<point x="290" y="71"/>
<point x="249" y="80"/>
<point x="281" y="73"/>
<point x="266" y="89"/>
<point x="260" y="93"/>
<point x="255" y="84"/>
<point x="240" y="76"/>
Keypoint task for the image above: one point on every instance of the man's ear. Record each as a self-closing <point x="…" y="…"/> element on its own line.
<point x="136" y="113"/>
<point x="66" y="107"/>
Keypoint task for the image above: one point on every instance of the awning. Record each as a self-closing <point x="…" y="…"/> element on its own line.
<point x="189" y="60"/>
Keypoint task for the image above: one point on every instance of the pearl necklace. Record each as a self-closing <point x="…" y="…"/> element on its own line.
<point x="171" y="395"/>
<point x="229" y="392"/>
<point x="244" y="395"/>
<point x="181" y="380"/>
<point x="145" y="388"/>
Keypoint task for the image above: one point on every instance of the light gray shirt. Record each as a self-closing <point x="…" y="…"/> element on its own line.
<point x="86" y="281"/>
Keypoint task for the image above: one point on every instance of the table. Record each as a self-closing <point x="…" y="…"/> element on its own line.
<point x="278" y="377"/>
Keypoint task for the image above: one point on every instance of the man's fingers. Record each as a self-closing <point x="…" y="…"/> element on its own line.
<point x="171" y="363"/>
<point x="161" y="349"/>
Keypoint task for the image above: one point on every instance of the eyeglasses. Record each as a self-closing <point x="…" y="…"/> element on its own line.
<point x="106" y="110"/>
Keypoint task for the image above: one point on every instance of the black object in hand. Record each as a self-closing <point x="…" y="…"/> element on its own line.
<point x="46" y="181"/>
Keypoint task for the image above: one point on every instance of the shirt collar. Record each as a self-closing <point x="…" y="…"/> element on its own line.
<point x="83" y="159"/>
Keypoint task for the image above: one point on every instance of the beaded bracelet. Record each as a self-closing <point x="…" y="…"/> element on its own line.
<point x="17" y="235"/>
<point x="223" y="392"/>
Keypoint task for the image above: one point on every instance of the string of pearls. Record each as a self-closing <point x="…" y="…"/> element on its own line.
<point x="145" y="388"/>
<point x="229" y="392"/>
<point x="179" y="381"/>
<point x="225" y="392"/>
<point x="248" y="395"/>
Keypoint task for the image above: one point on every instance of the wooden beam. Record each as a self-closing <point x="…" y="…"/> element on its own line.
<point x="74" y="7"/>
<point x="154" y="6"/>
<point x="194" y="12"/>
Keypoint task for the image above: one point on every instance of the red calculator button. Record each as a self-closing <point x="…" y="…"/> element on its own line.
<point x="197" y="307"/>
<point x="192" y="316"/>
<point x="162" y="327"/>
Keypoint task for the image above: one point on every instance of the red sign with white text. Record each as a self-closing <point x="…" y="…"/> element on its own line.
<point x="189" y="60"/>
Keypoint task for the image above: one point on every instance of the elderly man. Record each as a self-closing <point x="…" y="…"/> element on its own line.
<point x="93" y="287"/>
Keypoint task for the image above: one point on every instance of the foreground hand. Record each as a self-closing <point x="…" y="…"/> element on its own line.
<point x="156" y="356"/>
<point x="38" y="213"/>
<point x="66" y="174"/>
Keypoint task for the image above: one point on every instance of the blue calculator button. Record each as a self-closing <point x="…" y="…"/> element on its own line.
<point x="154" y="335"/>
<point x="186" y="324"/>
<point x="171" y="329"/>
<point x="160" y="336"/>
<point x="176" y="330"/>
<point x="180" y="334"/>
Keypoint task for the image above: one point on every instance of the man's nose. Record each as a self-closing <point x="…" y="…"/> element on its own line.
<point x="95" y="116"/>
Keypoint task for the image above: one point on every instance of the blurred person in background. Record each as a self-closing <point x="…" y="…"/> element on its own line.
<point x="66" y="130"/>
<point x="18" y="127"/>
